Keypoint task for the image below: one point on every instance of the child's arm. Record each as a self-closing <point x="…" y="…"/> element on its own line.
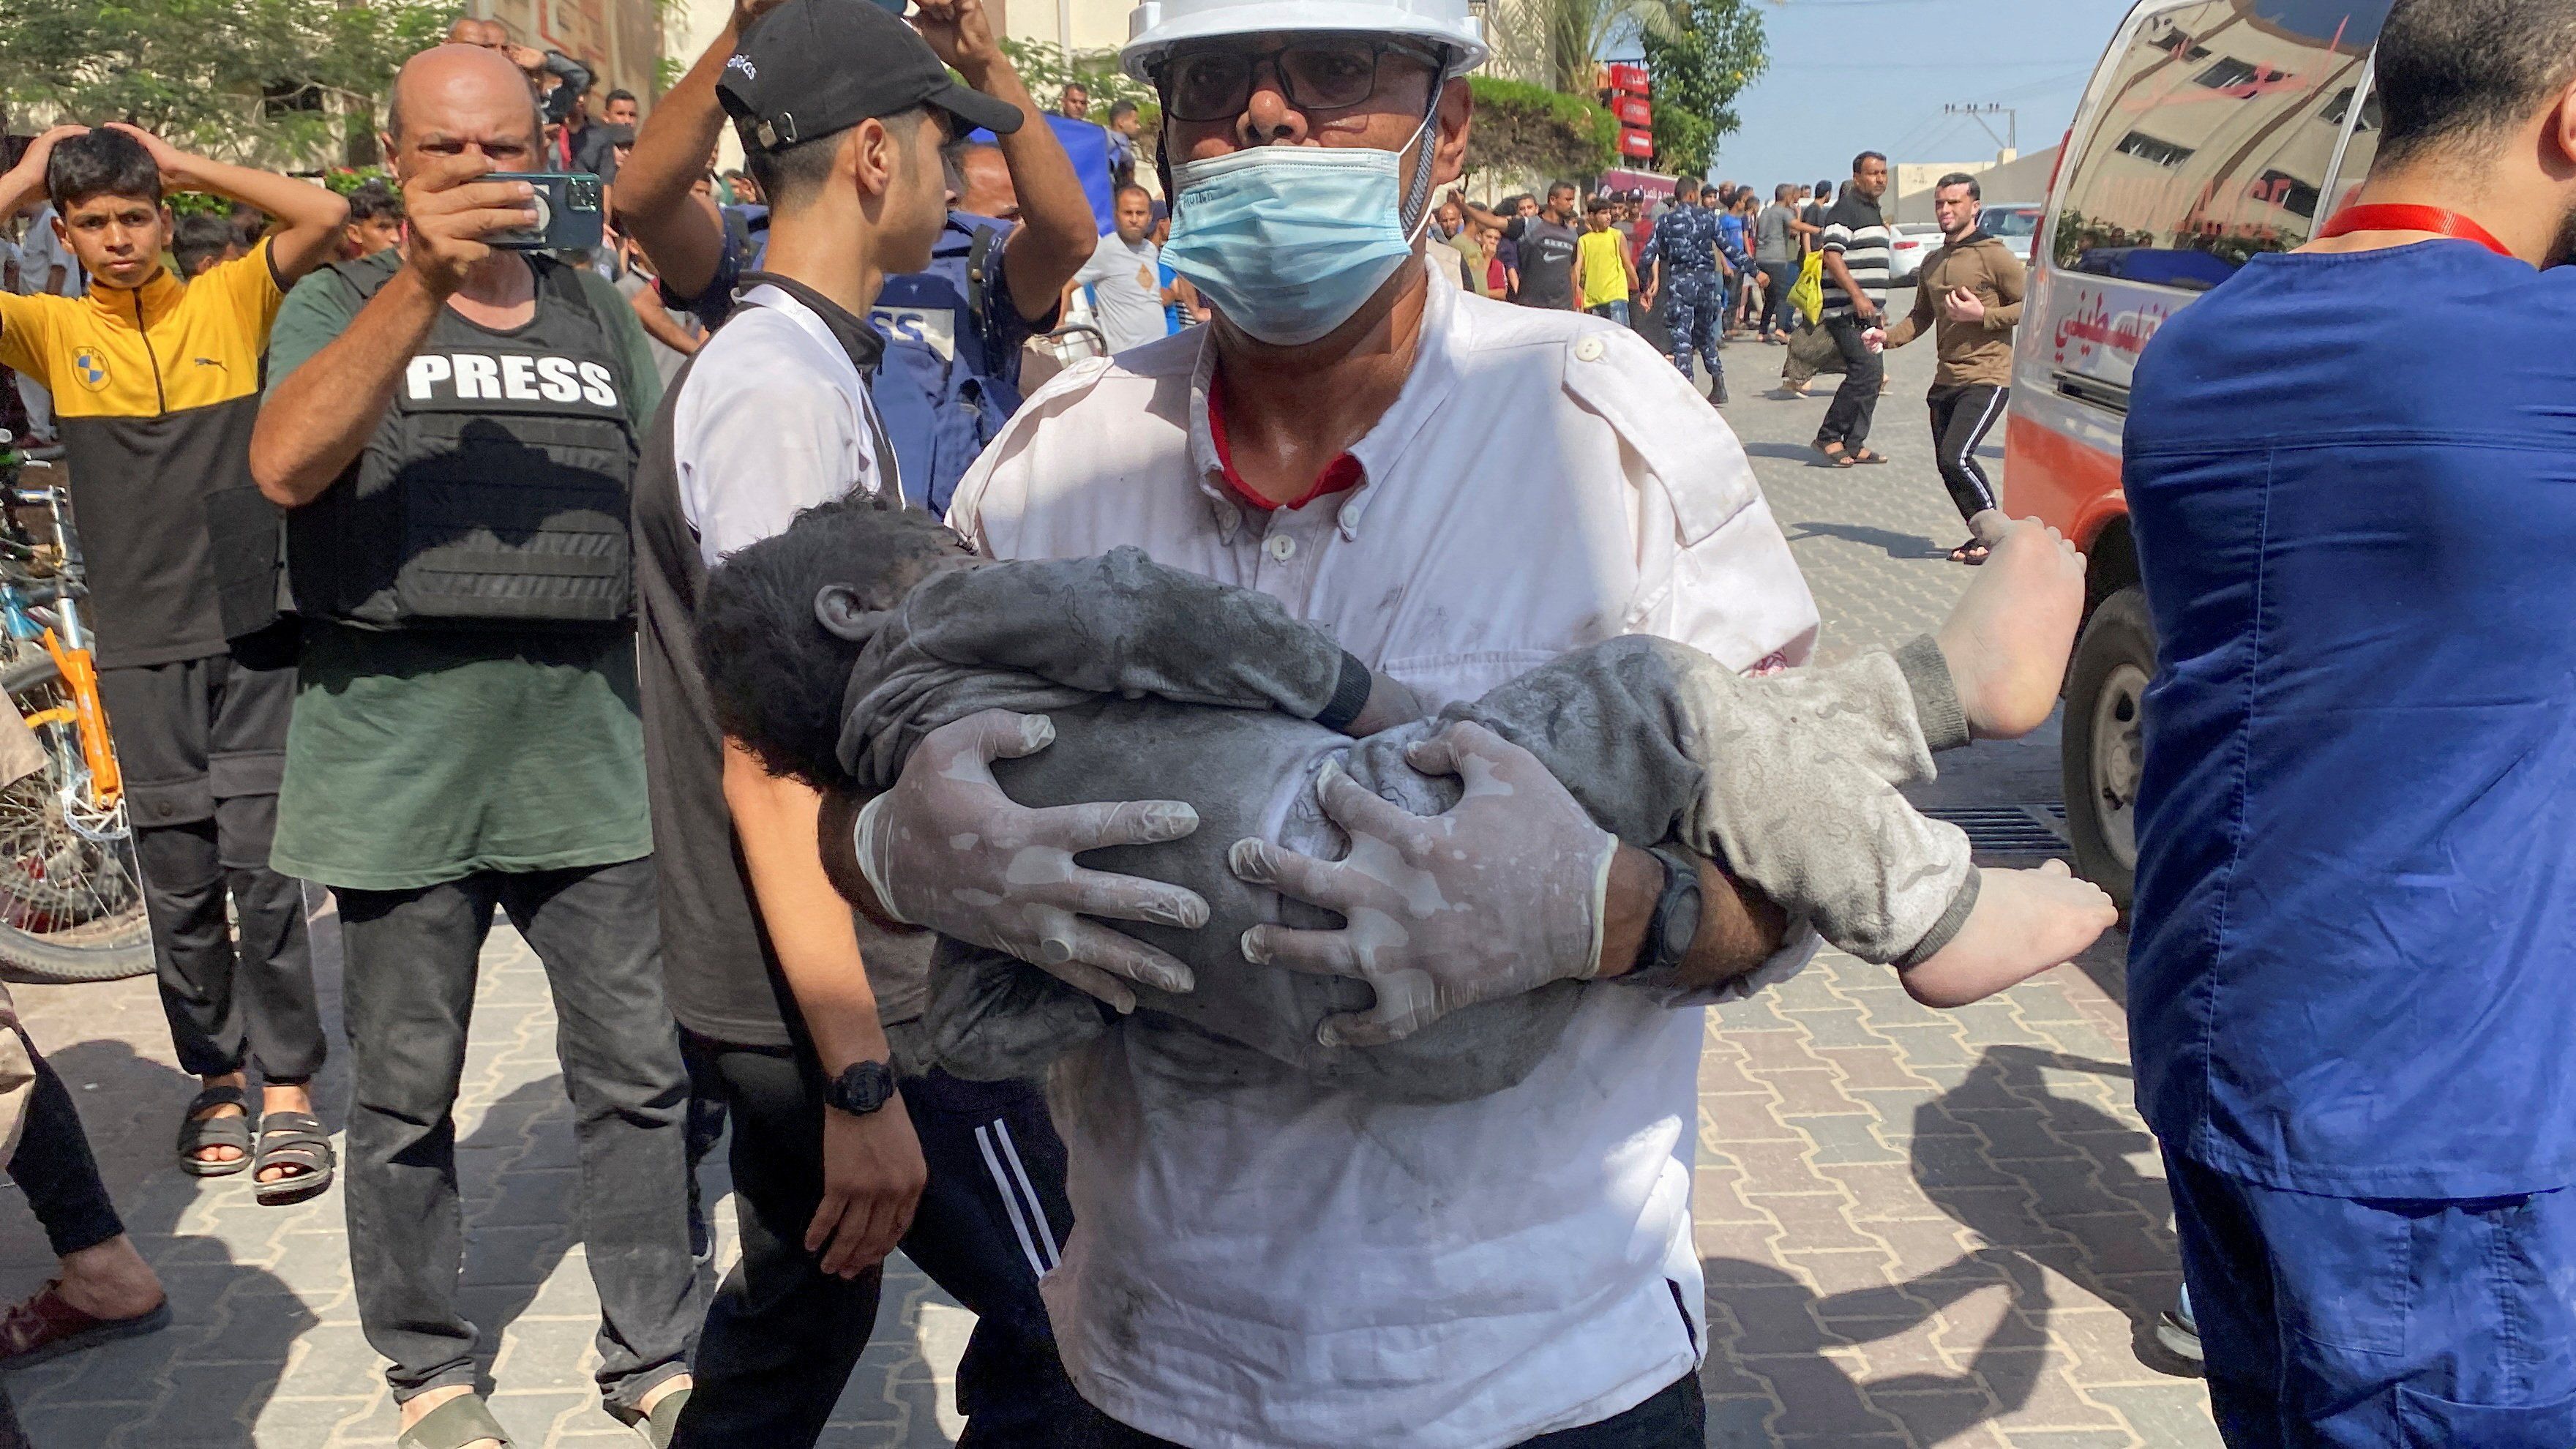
<point x="1123" y="624"/>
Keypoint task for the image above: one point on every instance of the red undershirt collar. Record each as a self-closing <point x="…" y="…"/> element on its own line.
<point x="1341" y="475"/>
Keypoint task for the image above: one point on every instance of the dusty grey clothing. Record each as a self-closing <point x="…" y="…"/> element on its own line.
<point x="1788" y="780"/>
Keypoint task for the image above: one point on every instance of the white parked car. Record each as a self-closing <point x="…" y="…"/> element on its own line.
<point x="2015" y="225"/>
<point x="1908" y="245"/>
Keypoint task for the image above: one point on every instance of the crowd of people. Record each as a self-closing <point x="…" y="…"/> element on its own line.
<point x="1101" y="834"/>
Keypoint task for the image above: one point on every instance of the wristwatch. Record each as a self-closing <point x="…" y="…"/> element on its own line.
<point x="861" y="1088"/>
<point x="1675" y="923"/>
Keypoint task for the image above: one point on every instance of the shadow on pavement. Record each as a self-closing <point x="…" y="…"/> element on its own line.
<point x="2046" y="1182"/>
<point x="1896" y="545"/>
<point x="204" y="1380"/>
<point x="2050" y="1182"/>
<point x="1782" y="1329"/>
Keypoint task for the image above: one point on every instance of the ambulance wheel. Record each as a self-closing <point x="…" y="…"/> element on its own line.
<point x="2106" y="691"/>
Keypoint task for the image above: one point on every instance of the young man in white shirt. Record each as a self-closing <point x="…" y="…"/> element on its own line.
<point x="1272" y="1262"/>
<point x="835" y="1159"/>
<point x="1126" y="289"/>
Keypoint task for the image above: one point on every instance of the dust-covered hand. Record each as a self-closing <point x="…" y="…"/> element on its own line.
<point x="1501" y="894"/>
<point x="946" y="849"/>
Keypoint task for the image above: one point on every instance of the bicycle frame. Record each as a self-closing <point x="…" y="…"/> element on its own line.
<point x="56" y="623"/>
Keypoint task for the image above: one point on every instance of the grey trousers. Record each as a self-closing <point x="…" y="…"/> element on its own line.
<point x="408" y="998"/>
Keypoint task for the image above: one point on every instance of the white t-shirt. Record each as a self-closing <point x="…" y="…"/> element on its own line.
<point x="1126" y="291"/>
<point x="1284" y="1265"/>
<point x="773" y="419"/>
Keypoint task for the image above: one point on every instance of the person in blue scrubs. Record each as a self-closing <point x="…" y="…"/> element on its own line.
<point x="2352" y="988"/>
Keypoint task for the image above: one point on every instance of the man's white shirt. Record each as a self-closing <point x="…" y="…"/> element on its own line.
<point x="773" y="418"/>
<point x="1283" y="1264"/>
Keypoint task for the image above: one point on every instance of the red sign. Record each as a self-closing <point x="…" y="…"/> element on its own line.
<point x="1633" y="142"/>
<point x="1633" y="111"/>
<point x="1630" y="78"/>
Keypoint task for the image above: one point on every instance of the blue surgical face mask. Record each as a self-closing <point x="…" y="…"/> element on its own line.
<point x="1289" y="241"/>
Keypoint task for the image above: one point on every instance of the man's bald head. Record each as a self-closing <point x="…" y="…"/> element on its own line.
<point x="456" y="97"/>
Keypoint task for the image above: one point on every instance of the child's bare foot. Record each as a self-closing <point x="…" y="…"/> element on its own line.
<point x="2024" y="922"/>
<point x="2008" y="639"/>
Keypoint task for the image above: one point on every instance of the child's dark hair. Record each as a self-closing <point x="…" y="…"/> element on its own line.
<point x="198" y="236"/>
<point x="102" y="163"/>
<point x="775" y="675"/>
<point x="375" y="200"/>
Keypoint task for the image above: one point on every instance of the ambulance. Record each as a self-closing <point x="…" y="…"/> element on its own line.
<point x="2212" y="130"/>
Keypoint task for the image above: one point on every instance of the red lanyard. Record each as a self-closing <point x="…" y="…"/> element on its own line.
<point x="2410" y="218"/>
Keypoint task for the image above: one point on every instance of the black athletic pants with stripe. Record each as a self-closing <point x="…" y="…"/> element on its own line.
<point x="782" y="1338"/>
<point x="1961" y="418"/>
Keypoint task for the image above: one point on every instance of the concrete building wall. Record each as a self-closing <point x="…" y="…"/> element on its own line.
<point x="2019" y="179"/>
<point x="620" y="40"/>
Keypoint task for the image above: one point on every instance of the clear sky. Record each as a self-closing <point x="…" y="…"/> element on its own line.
<point x="1853" y="75"/>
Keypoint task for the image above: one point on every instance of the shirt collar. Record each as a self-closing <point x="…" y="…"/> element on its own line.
<point x="864" y="344"/>
<point x="1426" y="388"/>
<point x="158" y="292"/>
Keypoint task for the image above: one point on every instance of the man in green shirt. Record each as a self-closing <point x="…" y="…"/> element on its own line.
<point x="453" y="427"/>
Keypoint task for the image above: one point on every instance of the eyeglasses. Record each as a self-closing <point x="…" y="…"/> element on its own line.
<point x="1323" y="74"/>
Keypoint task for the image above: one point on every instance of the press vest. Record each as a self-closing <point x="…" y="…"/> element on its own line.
<point x="495" y="490"/>
<point x="951" y="376"/>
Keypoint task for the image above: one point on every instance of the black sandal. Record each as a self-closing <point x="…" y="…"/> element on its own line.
<point x="1834" y="456"/>
<point x="196" y="1133"/>
<point x="296" y="1141"/>
<point x="1864" y="455"/>
<point x="1972" y="553"/>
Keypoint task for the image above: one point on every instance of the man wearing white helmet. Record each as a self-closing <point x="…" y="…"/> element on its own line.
<point x="1264" y="1260"/>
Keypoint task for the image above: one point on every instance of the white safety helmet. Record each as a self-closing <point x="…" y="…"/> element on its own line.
<point x="1154" y="27"/>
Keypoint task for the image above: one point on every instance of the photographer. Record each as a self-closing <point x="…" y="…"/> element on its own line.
<point x="454" y="426"/>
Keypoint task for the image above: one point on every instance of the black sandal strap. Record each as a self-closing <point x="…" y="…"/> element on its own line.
<point x="196" y="1133"/>
<point x="295" y="1141"/>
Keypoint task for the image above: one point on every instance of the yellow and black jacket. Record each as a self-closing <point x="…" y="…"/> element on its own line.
<point x="155" y="391"/>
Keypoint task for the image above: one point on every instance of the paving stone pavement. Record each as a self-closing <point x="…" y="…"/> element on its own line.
<point x="1919" y="1227"/>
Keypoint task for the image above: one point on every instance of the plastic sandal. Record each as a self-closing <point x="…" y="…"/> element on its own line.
<point x="196" y="1134"/>
<point x="460" y="1421"/>
<point x="47" y="1326"/>
<point x="663" y="1423"/>
<point x="293" y="1139"/>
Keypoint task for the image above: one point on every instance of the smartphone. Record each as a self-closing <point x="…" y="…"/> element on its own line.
<point x="14" y="149"/>
<point x="570" y="209"/>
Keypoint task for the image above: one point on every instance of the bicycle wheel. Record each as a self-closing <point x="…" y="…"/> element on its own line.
<point x="71" y="895"/>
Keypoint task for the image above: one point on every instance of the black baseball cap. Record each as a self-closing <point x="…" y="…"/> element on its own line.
<point x="813" y="67"/>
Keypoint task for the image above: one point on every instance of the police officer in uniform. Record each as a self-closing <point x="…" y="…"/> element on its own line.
<point x="954" y="331"/>
<point x="454" y="429"/>
<point x="1684" y="261"/>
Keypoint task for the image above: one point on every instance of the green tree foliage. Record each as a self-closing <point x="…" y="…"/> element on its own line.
<point x="1047" y="68"/>
<point x="1522" y="128"/>
<point x="1702" y="54"/>
<point x="259" y="79"/>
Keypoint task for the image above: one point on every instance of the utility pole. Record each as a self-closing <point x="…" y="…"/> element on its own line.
<point x="2010" y="140"/>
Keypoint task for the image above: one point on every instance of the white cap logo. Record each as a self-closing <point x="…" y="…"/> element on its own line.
<point x="742" y="62"/>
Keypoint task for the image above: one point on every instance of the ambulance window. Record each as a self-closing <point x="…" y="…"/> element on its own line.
<point x="2215" y="130"/>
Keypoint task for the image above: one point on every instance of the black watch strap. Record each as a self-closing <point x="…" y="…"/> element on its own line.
<point x="1674" y="924"/>
<point x="861" y="1088"/>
